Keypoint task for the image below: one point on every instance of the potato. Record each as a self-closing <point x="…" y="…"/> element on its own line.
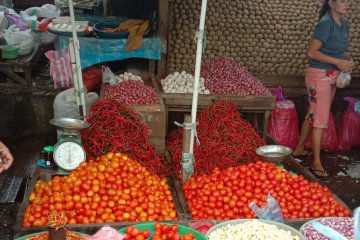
<point x="253" y="32"/>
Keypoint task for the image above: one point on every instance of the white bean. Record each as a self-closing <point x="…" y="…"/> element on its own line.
<point x="252" y="230"/>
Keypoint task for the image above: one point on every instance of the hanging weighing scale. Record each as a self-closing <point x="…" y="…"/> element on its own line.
<point x="69" y="152"/>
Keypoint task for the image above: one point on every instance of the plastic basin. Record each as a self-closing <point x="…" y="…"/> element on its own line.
<point x="109" y="24"/>
<point x="182" y="229"/>
<point x="319" y="219"/>
<point x="293" y="231"/>
<point x="9" y="52"/>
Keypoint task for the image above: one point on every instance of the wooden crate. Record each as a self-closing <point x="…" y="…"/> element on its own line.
<point x="182" y="102"/>
<point x="47" y="175"/>
<point x="154" y="117"/>
<point x="292" y="164"/>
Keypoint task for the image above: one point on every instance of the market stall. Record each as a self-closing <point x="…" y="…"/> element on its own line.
<point x="80" y="187"/>
<point x="124" y="180"/>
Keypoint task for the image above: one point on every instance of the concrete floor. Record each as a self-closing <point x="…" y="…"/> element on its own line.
<point x="26" y="152"/>
<point x="344" y="169"/>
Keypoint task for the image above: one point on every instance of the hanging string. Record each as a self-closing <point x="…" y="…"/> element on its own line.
<point x="189" y="126"/>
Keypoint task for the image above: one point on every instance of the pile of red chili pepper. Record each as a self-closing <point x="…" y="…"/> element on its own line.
<point x="115" y="128"/>
<point x="225" y="139"/>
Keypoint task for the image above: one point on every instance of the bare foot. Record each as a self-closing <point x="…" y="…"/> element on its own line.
<point x="300" y="153"/>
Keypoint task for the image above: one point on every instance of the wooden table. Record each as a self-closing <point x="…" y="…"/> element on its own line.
<point x="182" y="102"/>
<point x="23" y="64"/>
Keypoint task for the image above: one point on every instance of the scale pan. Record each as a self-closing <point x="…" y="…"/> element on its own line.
<point x="69" y="124"/>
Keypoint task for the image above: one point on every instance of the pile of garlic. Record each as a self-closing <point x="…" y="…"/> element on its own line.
<point x="252" y="230"/>
<point x="127" y="76"/>
<point x="182" y="83"/>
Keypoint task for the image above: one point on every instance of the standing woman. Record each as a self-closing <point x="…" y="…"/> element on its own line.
<point x="327" y="58"/>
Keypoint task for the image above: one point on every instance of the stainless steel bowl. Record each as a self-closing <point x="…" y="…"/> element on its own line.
<point x="274" y="153"/>
<point x="69" y="124"/>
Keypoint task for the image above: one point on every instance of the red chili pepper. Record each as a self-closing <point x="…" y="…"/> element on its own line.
<point x="226" y="139"/>
<point x="118" y="129"/>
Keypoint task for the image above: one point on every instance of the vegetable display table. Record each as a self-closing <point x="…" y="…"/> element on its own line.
<point x="182" y="102"/>
<point x="23" y="64"/>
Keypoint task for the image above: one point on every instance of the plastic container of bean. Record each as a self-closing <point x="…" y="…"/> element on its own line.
<point x="230" y="227"/>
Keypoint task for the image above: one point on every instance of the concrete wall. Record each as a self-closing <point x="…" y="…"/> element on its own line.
<point x="23" y="115"/>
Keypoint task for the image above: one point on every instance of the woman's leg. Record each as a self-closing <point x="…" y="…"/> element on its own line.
<point x="316" y="147"/>
<point x="305" y="131"/>
<point x="324" y="95"/>
<point x="310" y="82"/>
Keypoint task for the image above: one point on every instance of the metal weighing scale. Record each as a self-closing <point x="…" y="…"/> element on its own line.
<point x="69" y="152"/>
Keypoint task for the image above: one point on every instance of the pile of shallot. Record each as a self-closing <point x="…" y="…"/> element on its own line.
<point x="226" y="76"/>
<point x="344" y="226"/>
<point x="131" y="92"/>
<point x="182" y="83"/>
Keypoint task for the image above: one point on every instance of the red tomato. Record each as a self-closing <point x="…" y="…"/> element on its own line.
<point x="176" y="236"/>
<point x="135" y="232"/>
<point x="145" y="233"/>
<point x="165" y="228"/>
<point x="188" y="236"/>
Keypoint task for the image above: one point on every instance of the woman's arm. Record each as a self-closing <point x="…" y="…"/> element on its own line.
<point x="314" y="53"/>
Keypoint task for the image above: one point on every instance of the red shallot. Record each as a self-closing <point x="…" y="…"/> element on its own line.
<point x="226" y="76"/>
<point x="132" y="92"/>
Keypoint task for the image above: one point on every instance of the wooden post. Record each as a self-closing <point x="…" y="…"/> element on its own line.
<point x="186" y="148"/>
<point x="163" y="33"/>
<point x="266" y="123"/>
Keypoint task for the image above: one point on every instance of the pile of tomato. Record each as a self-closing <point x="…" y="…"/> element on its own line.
<point x="161" y="232"/>
<point x="114" y="188"/>
<point x="226" y="194"/>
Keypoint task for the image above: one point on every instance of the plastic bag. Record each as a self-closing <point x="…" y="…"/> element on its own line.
<point x="106" y="233"/>
<point x="30" y="16"/>
<point x="92" y="78"/>
<point x="330" y="140"/>
<point x="108" y="76"/>
<point x="4" y="23"/>
<point x="60" y="69"/>
<point x="23" y="40"/>
<point x="202" y="227"/>
<point x="357" y="223"/>
<point x="349" y="127"/>
<point x="270" y="211"/>
<point x="45" y="11"/>
<point x="16" y="20"/>
<point x="283" y="121"/>
<point x="343" y="80"/>
<point x="65" y="105"/>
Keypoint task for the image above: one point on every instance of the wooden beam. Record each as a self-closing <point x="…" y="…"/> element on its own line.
<point x="14" y="76"/>
<point x="163" y="32"/>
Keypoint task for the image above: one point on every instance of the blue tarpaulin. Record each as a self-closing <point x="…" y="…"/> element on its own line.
<point x="98" y="50"/>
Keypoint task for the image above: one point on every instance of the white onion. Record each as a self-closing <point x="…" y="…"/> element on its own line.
<point x="182" y="83"/>
<point x="127" y="76"/>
